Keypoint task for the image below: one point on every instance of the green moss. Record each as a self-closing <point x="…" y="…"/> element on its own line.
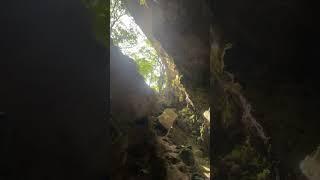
<point x="252" y="165"/>
<point x="236" y="154"/>
<point x="264" y="174"/>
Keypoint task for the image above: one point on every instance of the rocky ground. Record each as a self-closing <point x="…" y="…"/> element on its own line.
<point x="152" y="137"/>
<point x="154" y="152"/>
<point x="184" y="155"/>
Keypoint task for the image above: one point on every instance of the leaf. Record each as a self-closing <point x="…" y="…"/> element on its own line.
<point x="143" y="3"/>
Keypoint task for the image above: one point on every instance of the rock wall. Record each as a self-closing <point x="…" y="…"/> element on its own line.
<point x="53" y="93"/>
<point x="272" y="58"/>
<point x="182" y="28"/>
<point x="130" y="95"/>
<point x="132" y="102"/>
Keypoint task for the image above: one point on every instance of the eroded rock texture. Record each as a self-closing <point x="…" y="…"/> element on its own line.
<point x="273" y="49"/>
<point x="139" y="151"/>
<point x="182" y="28"/>
<point x="272" y="57"/>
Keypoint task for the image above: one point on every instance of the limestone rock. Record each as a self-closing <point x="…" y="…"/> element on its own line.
<point x="265" y="60"/>
<point x="167" y="118"/>
<point x="206" y="114"/>
<point x="310" y="166"/>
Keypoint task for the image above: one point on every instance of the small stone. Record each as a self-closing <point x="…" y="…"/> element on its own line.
<point x="186" y="156"/>
<point x="144" y="171"/>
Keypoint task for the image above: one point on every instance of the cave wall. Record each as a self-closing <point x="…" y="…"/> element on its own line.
<point x="182" y="28"/>
<point x="129" y="93"/>
<point x="53" y="92"/>
<point x="273" y="58"/>
<point x="132" y="102"/>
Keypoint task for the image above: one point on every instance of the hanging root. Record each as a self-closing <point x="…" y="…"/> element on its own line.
<point x="227" y="80"/>
<point x="247" y="117"/>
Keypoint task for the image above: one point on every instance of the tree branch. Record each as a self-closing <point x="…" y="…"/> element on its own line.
<point x="116" y="20"/>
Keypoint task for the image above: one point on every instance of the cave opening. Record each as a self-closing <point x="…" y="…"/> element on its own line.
<point x="244" y="72"/>
<point x="180" y="127"/>
<point x="131" y="40"/>
<point x="249" y="66"/>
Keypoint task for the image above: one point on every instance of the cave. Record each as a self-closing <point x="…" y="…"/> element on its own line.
<point x="253" y="64"/>
<point x="229" y="90"/>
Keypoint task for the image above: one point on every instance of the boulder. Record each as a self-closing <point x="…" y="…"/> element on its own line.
<point x="310" y="166"/>
<point x="167" y="118"/>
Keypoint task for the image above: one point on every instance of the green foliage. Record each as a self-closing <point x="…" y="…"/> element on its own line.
<point x="254" y="166"/>
<point x="124" y="37"/>
<point x="142" y="2"/>
<point x="264" y="174"/>
<point x="189" y="117"/>
<point x="245" y="154"/>
<point x="131" y="40"/>
<point x="145" y="66"/>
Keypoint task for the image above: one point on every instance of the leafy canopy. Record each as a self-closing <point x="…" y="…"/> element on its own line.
<point x="126" y="34"/>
